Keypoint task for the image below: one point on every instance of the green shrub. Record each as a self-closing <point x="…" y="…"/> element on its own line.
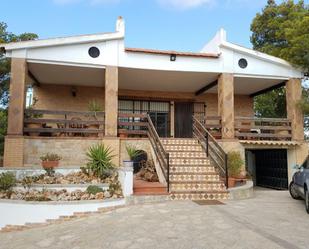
<point x="115" y="188"/>
<point x="133" y="152"/>
<point x="234" y="163"/>
<point x="27" y="182"/>
<point x="7" y="181"/>
<point x="94" y="106"/>
<point x="92" y="189"/>
<point x="100" y="161"/>
<point x="50" y="157"/>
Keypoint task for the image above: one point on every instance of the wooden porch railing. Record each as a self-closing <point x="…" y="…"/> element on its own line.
<point x="63" y="123"/>
<point x="132" y="124"/>
<point x="251" y="128"/>
<point x="213" y="125"/>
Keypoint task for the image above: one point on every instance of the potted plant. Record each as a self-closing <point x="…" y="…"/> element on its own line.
<point x="94" y="107"/>
<point x="122" y="132"/>
<point x="49" y="162"/>
<point x="133" y="152"/>
<point x="235" y="164"/>
<point x="30" y="115"/>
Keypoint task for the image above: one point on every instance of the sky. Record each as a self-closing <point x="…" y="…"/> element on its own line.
<point x="184" y="25"/>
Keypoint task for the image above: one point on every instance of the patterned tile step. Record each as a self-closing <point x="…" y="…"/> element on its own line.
<point x="193" y="169"/>
<point x="197" y="177"/>
<point x="189" y="161"/>
<point x="200" y="195"/>
<point x="182" y="148"/>
<point x="215" y="186"/>
<point x="179" y="141"/>
<point x="201" y="155"/>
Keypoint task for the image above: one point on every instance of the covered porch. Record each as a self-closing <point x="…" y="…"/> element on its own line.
<point x="223" y="103"/>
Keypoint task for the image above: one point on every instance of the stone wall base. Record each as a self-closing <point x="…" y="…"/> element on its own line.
<point x="13" y="152"/>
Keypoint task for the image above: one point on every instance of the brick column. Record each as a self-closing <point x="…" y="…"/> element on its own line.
<point x="226" y="104"/>
<point x="111" y="101"/>
<point x="294" y="113"/>
<point x="17" y="96"/>
<point x="14" y="141"/>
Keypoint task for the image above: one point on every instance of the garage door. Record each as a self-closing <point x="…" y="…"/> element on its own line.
<point x="271" y="168"/>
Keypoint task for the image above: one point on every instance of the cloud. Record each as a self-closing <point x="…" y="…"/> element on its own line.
<point x="185" y="4"/>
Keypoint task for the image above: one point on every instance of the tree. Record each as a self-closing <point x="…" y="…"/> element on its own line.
<point x="5" y="69"/>
<point x="5" y="63"/>
<point x="281" y="30"/>
<point x="271" y="104"/>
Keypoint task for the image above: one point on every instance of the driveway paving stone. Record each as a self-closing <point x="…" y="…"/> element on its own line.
<point x="270" y="220"/>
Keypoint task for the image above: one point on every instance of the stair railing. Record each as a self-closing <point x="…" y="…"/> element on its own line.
<point x="161" y="154"/>
<point x="212" y="148"/>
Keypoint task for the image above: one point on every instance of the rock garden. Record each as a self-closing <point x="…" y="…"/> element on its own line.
<point x="98" y="180"/>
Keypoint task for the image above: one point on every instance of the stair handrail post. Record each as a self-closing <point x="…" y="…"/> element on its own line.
<point x="214" y="147"/>
<point x="161" y="154"/>
<point x="226" y="172"/>
<point x="207" y="144"/>
<point x="168" y="171"/>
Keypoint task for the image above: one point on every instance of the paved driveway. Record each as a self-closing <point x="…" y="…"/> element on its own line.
<point x="270" y="220"/>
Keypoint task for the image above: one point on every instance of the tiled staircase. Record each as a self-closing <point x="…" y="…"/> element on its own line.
<point x="192" y="176"/>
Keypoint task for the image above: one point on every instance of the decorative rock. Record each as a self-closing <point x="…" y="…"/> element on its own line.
<point x="107" y="194"/>
<point x="99" y="196"/>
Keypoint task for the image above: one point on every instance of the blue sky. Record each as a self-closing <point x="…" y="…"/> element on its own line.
<point x="160" y="24"/>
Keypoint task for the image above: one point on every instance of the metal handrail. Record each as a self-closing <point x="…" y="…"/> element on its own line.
<point x="162" y="155"/>
<point x="212" y="148"/>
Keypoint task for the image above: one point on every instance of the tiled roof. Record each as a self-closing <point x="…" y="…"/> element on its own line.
<point x="267" y="142"/>
<point x="171" y="52"/>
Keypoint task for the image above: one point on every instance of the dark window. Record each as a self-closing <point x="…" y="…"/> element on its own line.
<point x="159" y="112"/>
<point x="242" y="63"/>
<point x="94" y="52"/>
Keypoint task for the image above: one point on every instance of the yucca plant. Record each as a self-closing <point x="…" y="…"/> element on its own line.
<point x="100" y="160"/>
<point x="133" y="152"/>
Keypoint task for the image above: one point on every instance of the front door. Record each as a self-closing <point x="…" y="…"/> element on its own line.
<point x="183" y="119"/>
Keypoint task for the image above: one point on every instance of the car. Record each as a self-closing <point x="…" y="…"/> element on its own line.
<point x="298" y="187"/>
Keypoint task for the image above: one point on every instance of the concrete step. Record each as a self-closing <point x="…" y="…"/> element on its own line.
<point x="141" y="187"/>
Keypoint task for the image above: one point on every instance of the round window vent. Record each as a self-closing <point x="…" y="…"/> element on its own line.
<point x="94" y="52"/>
<point x="242" y="63"/>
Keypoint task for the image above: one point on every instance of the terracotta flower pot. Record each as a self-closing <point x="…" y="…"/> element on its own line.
<point x="50" y="164"/>
<point x="34" y="126"/>
<point x="122" y="133"/>
<point x="231" y="182"/>
<point x="93" y="127"/>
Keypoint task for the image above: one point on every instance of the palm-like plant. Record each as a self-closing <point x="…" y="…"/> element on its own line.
<point x="133" y="152"/>
<point x="100" y="160"/>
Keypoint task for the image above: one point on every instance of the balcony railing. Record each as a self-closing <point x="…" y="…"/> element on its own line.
<point x="250" y="128"/>
<point x="63" y="123"/>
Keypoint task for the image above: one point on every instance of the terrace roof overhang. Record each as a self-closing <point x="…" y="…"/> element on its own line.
<point x="67" y="61"/>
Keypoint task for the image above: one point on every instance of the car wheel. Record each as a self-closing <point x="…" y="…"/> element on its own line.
<point x="307" y="200"/>
<point x="293" y="191"/>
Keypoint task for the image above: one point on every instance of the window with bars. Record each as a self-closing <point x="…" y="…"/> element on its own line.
<point x="159" y="112"/>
